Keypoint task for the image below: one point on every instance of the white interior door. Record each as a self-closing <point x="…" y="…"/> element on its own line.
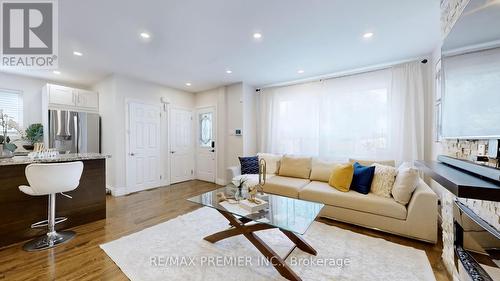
<point x="143" y="159"/>
<point x="181" y="145"/>
<point x="205" y="144"/>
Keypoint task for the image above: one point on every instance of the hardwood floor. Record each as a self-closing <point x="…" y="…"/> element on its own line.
<point x="82" y="259"/>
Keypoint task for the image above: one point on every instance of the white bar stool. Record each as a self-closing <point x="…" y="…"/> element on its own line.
<point x="49" y="179"/>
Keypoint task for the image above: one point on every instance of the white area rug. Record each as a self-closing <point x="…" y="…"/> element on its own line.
<point x="175" y="250"/>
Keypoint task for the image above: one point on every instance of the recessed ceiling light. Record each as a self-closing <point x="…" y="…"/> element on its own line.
<point x="76" y="53"/>
<point x="257" y="35"/>
<point x="368" y="35"/>
<point x="300" y="71"/>
<point x="145" y="35"/>
<point x="229" y="71"/>
<point x="56" y="72"/>
<point x="188" y="84"/>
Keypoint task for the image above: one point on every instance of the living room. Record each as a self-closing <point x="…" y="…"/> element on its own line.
<point x="250" y="140"/>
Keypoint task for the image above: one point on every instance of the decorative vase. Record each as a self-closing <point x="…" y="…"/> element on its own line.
<point x="239" y="194"/>
<point x="4" y="153"/>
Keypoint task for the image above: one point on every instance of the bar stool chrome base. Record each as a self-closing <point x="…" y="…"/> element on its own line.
<point x="49" y="240"/>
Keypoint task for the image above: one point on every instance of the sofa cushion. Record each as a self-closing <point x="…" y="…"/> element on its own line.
<point x="249" y="165"/>
<point x="321" y="170"/>
<point x="296" y="167"/>
<point x="272" y="162"/>
<point x="405" y="183"/>
<point x="370" y="203"/>
<point x="383" y="180"/>
<point x="285" y="186"/>
<point x="391" y="163"/>
<point x="362" y="179"/>
<point x="341" y="177"/>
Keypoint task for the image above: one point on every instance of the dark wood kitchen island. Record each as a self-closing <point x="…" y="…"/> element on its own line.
<point x="18" y="210"/>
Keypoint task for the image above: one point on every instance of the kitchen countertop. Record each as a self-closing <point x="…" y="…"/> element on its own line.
<point x="19" y="160"/>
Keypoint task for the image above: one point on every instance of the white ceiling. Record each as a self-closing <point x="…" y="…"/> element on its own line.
<point x="198" y="40"/>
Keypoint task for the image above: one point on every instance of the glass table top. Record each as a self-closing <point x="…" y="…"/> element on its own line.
<point x="286" y="213"/>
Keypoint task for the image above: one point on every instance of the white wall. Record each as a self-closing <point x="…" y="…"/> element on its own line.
<point x="234" y="119"/>
<point x="249" y="121"/>
<point x="115" y="91"/>
<point x="107" y="95"/>
<point x="31" y="89"/>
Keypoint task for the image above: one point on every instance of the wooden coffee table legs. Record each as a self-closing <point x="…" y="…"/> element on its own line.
<point x="239" y="228"/>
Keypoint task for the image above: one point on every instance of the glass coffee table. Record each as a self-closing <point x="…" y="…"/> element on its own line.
<point x="291" y="216"/>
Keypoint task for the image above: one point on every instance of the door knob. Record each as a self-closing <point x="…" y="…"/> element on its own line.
<point x="172" y="152"/>
<point x="132" y="154"/>
<point x="213" y="150"/>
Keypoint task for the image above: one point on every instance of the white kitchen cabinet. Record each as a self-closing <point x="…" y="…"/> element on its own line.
<point x="87" y="99"/>
<point x="60" y="95"/>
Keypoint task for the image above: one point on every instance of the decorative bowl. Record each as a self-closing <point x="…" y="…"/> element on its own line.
<point x="28" y="147"/>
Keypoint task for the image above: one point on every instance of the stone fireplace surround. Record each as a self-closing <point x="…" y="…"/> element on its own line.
<point x="487" y="210"/>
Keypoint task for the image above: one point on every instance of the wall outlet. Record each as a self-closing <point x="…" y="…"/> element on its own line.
<point x="481" y="150"/>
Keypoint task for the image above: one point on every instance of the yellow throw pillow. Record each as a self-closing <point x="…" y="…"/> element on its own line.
<point x="341" y="177"/>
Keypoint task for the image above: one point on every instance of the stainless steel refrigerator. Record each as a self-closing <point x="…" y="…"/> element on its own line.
<point x="74" y="132"/>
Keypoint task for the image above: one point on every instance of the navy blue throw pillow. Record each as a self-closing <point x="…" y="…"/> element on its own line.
<point x="249" y="165"/>
<point x="363" y="176"/>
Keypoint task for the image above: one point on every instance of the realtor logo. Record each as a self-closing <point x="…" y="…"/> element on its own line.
<point x="29" y="34"/>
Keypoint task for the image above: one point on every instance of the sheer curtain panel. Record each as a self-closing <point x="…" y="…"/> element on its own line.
<point x="374" y="115"/>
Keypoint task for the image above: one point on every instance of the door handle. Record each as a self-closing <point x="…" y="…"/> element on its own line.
<point x="132" y="154"/>
<point x="172" y="152"/>
<point x="213" y="150"/>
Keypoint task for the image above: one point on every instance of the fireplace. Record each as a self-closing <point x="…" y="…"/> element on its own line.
<point x="477" y="246"/>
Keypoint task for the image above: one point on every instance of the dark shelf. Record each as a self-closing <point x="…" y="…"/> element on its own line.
<point x="459" y="182"/>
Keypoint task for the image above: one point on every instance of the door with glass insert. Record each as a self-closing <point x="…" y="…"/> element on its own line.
<point x="205" y="146"/>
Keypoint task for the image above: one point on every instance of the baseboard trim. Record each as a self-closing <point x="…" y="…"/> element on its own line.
<point x="115" y="191"/>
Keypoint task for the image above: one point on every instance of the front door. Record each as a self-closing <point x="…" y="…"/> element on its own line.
<point x="181" y="145"/>
<point x="205" y="148"/>
<point x="143" y="157"/>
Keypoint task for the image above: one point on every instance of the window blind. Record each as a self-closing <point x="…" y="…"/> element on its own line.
<point x="471" y="101"/>
<point x="11" y="103"/>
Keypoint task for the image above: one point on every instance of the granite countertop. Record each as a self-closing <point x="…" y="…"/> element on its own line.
<point x="19" y="160"/>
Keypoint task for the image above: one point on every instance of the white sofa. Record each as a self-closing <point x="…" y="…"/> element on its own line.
<point x="417" y="219"/>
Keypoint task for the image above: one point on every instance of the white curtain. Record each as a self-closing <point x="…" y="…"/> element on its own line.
<point x="338" y="118"/>
<point x="409" y="86"/>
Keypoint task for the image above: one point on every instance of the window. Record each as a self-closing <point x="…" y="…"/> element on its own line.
<point x="206" y="130"/>
<point x="333" y="119"/>
<point x="11" y="103"/>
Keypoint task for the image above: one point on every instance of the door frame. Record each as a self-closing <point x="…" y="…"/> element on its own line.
<point x="196" y="128"/>
<point x="164" y="170"/>
<point x="169" y="148"/>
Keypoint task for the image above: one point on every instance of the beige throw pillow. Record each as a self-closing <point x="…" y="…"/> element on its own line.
<point x="405" y="183"/>
<point x="296" y="167"/>
<point x="321" y="170"/>
<point x="391" y="163"/>
<point x="272" y="162"/>
<point x="383" y="180"/>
